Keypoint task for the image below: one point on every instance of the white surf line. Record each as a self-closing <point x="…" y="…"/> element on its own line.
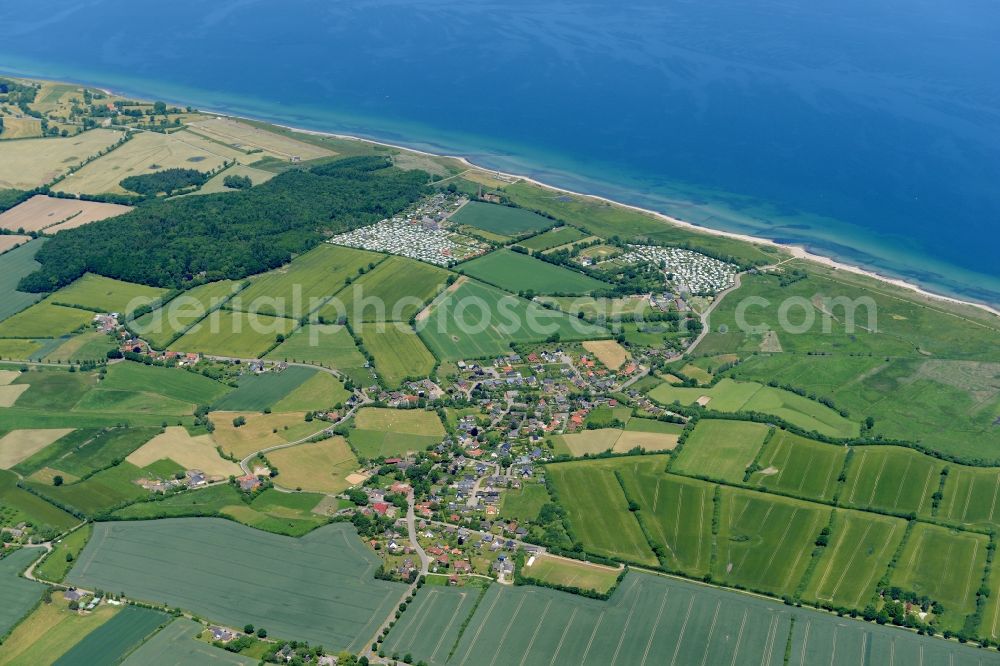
<point x="656" y="625"/>
<point x="711" y="632"/>
<point x="680" y="636"/>
<point x="628" y="620"/>
<point x="593" y="633"/>
<point x="805" y="642"/>
<point x="482" y="624"/>
<point x="538" y="626"/>
<point x="739" y="638"/>
<point x="507" y="630"/>
<point x="562" y="638"/>
<point x="447" y="628"/>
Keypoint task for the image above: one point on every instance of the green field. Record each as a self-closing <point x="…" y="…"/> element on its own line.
<point x="731" y="396"/>
<point x="317" y="588"/>
<point x="399" y="352"/>
<point x="502" y="220"/>
<point x="861" y="546"/>
<point x="87" y="450"/>
<point x="319" y="392"/>
<point x="765" y="541"/>
<point x="432" y="624"/>
<point x="799" y="466"/>
<point x="720" y="449"/>
<point x="234" y="334"/>
<point x="162" y="326"/>
<point x="524" y="503"/>
<point x="891" y="478"/>
<point x="676" y="513"/>
<point x="566" y="572"/>
<point x="98" y="493"/>
<point x="552" y="238"/>
<point x="27" y="507"/>
<point x="259" y="392"/>
<point x="479" y="321"/>
<point x="597" y="511"/>
<point x="945" y="565"/>
<point x="55" y="566"/>
<point x="518" y="272"/>
<point x="91" y="345"/>
<point x="608" y="308"/>
<point x="379" y="431"/>
<point x="305" y="284"/>
<point x="19" y="594"/>
<point x="328" y="345"/>
<point x="14" y="265"/>
<point x="116" y="638"/>
<point x="175" y="383"/>
<point x="177" y="643"/>
<point x="94" y="292"/>
<point x="971" y="496"/>
<point x="396" y="290"/>
<point x="45" y="320"/>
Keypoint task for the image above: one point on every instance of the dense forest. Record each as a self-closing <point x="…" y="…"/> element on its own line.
<point x="170" y="243"/>
<point x="167" y="181"/>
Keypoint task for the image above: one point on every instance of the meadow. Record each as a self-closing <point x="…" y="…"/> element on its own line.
<point x="233" y="334"/>
<point x="555" y="570"/>
<point x="328" y="345"/>
<point x="607" y="308"/>
<point x="597" y="511"/>
<point x="479" y="321"/>
<point x="720" y="449"/>
<point x="57" y="563"/>
<point x="19" y="594"/>
<point x="386" y="432"/>
<point x="524" y="503"/>
<point x="792" y="464"/>
<point x="25" y="506"/>
<point x="98" y="493"/>
<point x="88" y="450"/>
<point x="890" y="478"/>
<point x="177" y="643"/>
<point x="116" y="638"/>
<point x="175" y="383"/>
<point x="217" y="183"/>
<point x="552" y="238"/>
<point x="319" y="588"/>
<point x="591" y="441"/>
<point x="502" y="220"/>
<point x="45" y="320"/>
<point x="518" y="272"/>
<point x="165" y="324"/>
<point x="731" y="396"/>
<point x="971" y="496"/>
<point x="244" y="136"/>
<point x="765" y="541"/>
<point x="395" y="290"/>
<point x="29" y="163"/>
<point x="319" y="392"/>
<point x="320" y="467"/>
<point x="257" y="392"/>
<point x="260" y="430"/>
<point x="648" y="435"/>
<point x="90" y="345"/>
<point x="398" y="351"/>
<point x="50" y="631"/>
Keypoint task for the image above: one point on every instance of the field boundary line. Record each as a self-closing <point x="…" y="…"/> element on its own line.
<point x="680" y="636"/>
<point x="628" y="620"/>
<point x="805" y="642"/>
<point x="507" y="629"/>
<point x="482" y="624"/>
<point x="534" y="635"/>
<point x="711" y="632"/>
<point x="878" y="478"/>
<point x="562" y="638"/>
<point x="656" y="625"/>
<point x="739" y="638"/>
<point x="772" y="635"/>
<point x="993" y="505"/>
<point x="448" y="626"/>
<point x="923" y="493"/>
<point x="593" y="633"/>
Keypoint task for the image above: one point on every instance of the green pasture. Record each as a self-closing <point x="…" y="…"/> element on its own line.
<point x="599" y="307"/>
<point x="503" y="220"/>
<point x="98" y="493"/>
<point x="27" y="507"/>
<point x="91" y="345"/>
<point x="55" y="389"/>
<point x="319" y="392"/>
<point x="160" y="327"/>
<point x="524" y="503"/>
<point x="396" y="290"/>
<point x="256" y="393"/>
<point x="971" y="497"/>
<point x="328" y="345"/>
<point x="87" y="450"/>
<point x="552" y="238"/>
<point x="45" y="320"/>
<point x="175" y="383"/>
<point x="799" y="466"/>
<point x="234" y="334"/>
<point x="398" y="351"/>
<point x="720" y="450"/>
<point x="95" y="292"/>
<point x="518" y="272"/>
<point x="377" y="431"/>
<point x="14" y="265"/>
<point x="177" y="643"/>
<point x="112" y="641"/>
<point x="891" y="478"/>
<point x="55" y="566"/>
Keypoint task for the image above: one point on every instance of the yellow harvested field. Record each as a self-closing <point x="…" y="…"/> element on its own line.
<point x="247" y="137"/>
<point x="20" y="128"/>
<point x="650" y="441"/>
<point x="54" y="215"/>
<point x="257" y="434"/>
<point x="146" y="153"/>
<point x="10" y="394"/>
<point x="321" y="467"/>
<point x="17" y="445"/>
<point x="9" y="242"/>
<point x="608" y="352"/>
<point x="28" y="163"/>
<point x="187" y="451"/>
<point x="7" y="376"/>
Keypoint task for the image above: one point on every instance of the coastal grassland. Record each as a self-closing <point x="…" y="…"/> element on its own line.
<point x="603" y="219"/>
<point x="50" y="631"/>
<point x="315" y="466"/>
<point x="608" y="308"/>
<point x="676" y="513"/>
<point x="524" y="503"/>
<point x="45" y="320"/>
<point x="29" y="163"/>
<point x="732" y="396"/>
<point x="597" y="510"/>
<point x="298" y="288"/>
<point x="518" y="272"/>
<point x="87" y="450"/>
<point x="860" y="548"/>
<point x="765" y="541"/>
<point x="721" y="450"/>
<point x="87" y="346"/>
<point x="799" y="466"/>
<point x="552" y="238"/>
<point x="18" y="594"/>
<point x="592" y="441"/>
<point x="98" y="493"/>
<point x="398" y="351"/>
<point x="233" y="334"/>
<point x="319" y="588"/>
<point x="17" y="445"/>
<point x="260" y="431"/>
<point x="971" y="497"/>
<point x="434" y="622"/>
<point x="395" y="290"/>
<point x="162" y="326"/>
<point x="247" y="137"/>
<point x="947" y="405"/>
<point x="944" y="564"/>
<point x="57" y="563"/>
<point x="257" y="392"/>
<point x="891" y="478"/>
<point x="24" y="506"/>
<point x="14" y="265"/>
<point x="113" y="640"/>
<point x="503" y="220"/>
<point x="321" y="391"/>
<point x="608" y="352"/>
<point x="175" y="383"/>
<point x="177" y="643"/>
<point x="479" y="321"/>
<point x="177" y="445"/>
<point x="572" y="573"/>
<point x="378" y="431"/>
<point x="147" y="152"/>
<point x="328" y="345"/>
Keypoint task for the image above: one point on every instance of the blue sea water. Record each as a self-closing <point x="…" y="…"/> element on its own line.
<point x="866" y="130"/>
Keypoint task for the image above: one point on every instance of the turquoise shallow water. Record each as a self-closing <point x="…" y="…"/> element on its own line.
<point x="865" y="130"/>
